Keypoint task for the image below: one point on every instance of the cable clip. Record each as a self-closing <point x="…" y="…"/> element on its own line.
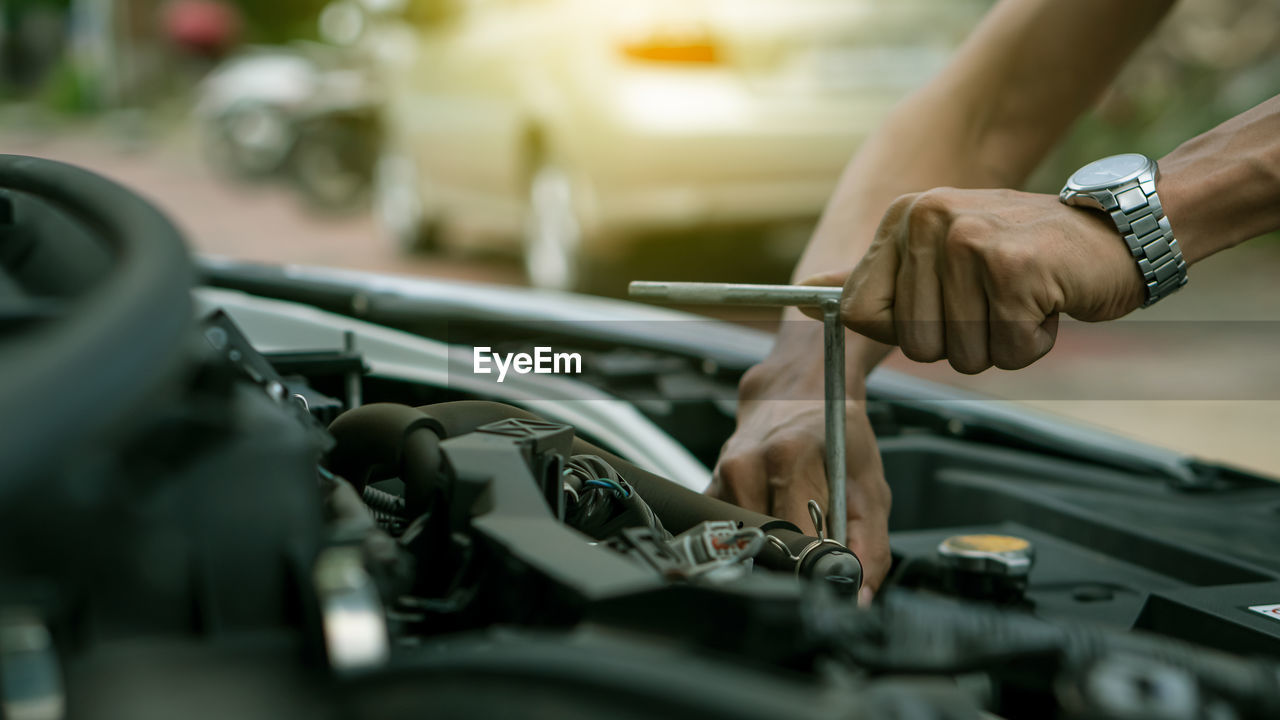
<point x="820" y="525"/>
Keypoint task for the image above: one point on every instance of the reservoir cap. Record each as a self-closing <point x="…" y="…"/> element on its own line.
<point x="1005" y="555"/>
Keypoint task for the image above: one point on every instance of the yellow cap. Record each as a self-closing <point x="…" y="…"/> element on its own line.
<point x="1003" y="554"/>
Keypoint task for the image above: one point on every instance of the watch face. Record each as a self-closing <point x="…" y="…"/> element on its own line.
<point x="1108" y="172"/>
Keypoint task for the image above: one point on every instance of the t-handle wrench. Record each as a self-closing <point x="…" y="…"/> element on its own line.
<point x="828" y="300"/>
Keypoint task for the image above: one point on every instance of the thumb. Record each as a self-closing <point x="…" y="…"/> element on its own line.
<point x="831" y="278"/>
<point x="867" y="306"/>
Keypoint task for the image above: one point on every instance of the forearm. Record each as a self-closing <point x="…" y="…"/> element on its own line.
<point x="1222" y="188"/>
<point x="917" y="148"/>
<point x="987" y="120"/>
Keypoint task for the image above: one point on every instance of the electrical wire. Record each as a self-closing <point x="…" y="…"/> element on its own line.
<point x="624" y="492"/>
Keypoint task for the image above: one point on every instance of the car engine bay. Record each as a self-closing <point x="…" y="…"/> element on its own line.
<point x="229" y="491"/>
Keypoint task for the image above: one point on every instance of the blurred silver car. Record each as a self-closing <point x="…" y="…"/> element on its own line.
<point x="580" y="125"/>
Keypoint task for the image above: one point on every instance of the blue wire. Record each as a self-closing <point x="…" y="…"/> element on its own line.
<point x="609" y="484"/>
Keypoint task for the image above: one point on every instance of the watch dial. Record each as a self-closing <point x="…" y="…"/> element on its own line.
<point x="1109" y="171"/>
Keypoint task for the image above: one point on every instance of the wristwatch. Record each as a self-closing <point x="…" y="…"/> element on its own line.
<point x="1124" y="186"/>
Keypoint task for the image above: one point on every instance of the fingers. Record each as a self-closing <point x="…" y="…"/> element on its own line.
<point x="804" y="479"/>
<point x="779" y="479"/>
<point x="869" y="503"/>
<point x="741" y="480"/>
<point x="867" y="519"/>
<point x="1019" y="338"/>
<point x="834" y="278"/>
<point x="868" y="500"/>
<point x="973" y="276"/>
<point x="964" y="305"/>
<point x="775" y="463"/>
<point x="917" y="310"/>
<point x="869" y="540"/>
<point x="1021" y="333"/>
<point x="867" y="306"/>
<point x="894" y="295"/>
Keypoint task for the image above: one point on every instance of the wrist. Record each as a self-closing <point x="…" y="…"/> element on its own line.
<point x="793" y="370"/>
<point x="1220" y="188"/>
<point x="1124" y="187"/>
<point x="1192" y="195"/>
<point x="1095" y="230"/>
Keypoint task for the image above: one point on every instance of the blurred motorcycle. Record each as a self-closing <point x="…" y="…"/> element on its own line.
<point x="306" y="113"/>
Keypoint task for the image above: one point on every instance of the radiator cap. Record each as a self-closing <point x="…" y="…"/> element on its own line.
<point x="1004" y="555"/>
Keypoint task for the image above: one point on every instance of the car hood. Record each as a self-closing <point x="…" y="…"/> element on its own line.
<point x="385" y="298"/>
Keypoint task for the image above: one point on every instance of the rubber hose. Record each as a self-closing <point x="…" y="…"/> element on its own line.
<point x="678" y="507"/>
<point x="919" y="633"/>
<point x="384" y="440"/>
<point x="120" y="347"/>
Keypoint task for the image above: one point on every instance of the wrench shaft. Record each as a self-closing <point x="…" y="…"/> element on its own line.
<point x="833" y="407"/>
<point x="697" y="293"/>
<point x="833" y="400"/>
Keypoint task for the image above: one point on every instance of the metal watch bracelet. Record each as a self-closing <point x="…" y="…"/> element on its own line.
<point x="1135" y="209"/>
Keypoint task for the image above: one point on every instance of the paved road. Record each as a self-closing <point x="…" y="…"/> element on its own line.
<point x="260" y="221"/>
<point x="1199" y="372"/>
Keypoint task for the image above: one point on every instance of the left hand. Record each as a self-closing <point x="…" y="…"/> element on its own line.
<point x="979" y="276"/>
<point x="775" y="460"/>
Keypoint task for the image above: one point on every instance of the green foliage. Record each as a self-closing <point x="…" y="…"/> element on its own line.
<point x="1201" y="69"/>
<point x="280" y="21"/>
<point x="65" y="90"/>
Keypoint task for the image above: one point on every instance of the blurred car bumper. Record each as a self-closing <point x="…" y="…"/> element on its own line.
<point x="711" y="150"/>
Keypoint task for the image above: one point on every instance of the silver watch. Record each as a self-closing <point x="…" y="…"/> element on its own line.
<point x="1124" y="186"/>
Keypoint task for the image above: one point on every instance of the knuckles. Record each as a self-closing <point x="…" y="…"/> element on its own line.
<point x="1016" y="357"/>
<point x="864" y="321"/>
<point x="967" y="366"/>
<point x="1010" y="262"/>
<point x="758" y="382"/>
<point x="1011" y="361"/>
<point x="941" y="219"/>
<point x="733" y="470"/>
<point x="968" y="235"/>
<point x="929" y="216"/>
<point x="783" y="451"/>
<point x="919" y="351"/>
<point x="932" y="205"/>
<point x="733" y="478"/>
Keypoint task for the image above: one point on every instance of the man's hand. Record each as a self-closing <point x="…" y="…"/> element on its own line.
<point x="985" y="121"/>
<point x="774" y="462"/>
<point x="979" y="277"/>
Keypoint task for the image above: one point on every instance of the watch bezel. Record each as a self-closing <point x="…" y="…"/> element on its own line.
<point x="1075" y="186"/>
